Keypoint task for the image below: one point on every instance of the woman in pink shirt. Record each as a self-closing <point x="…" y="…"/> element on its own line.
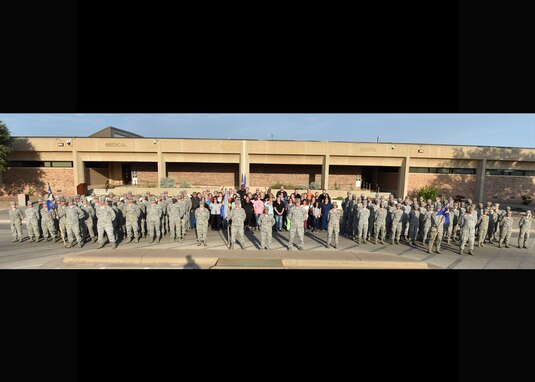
<point x="258" y="206"/>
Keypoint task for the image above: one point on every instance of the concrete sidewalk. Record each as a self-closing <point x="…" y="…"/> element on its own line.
<point x="239" y="259"/>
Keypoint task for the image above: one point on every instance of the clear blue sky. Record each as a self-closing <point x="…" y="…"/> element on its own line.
<point x="513" y="130"/>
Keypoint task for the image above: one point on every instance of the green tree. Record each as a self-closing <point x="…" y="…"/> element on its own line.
<point x="5" y="141"/>
<point x="428" y="192"/>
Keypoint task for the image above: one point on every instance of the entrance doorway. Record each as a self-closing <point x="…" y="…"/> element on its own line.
<point x="127" y="173"/>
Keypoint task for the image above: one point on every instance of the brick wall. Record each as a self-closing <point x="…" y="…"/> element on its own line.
<point x="265" y="175"/>
<point x="343" y="176"/>
<point x="146" y="172"/>
<point x="19" y="180"/>
<point x="447" y="184"/>
<point x="501" y="188"/>
<point x="200" y="174"/>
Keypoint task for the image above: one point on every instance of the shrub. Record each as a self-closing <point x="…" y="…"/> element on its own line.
<point x="526" y="199"/>
<point x="315" y="186"/>
<point x="302" y="186"/>
<point x="428" y="192"/>
<point x="167" y="182"/>
<point x="287" y="186"/>
<point x="184" y="184"/>
<point x="337" y="186"/>
<point x="151" y="185"/>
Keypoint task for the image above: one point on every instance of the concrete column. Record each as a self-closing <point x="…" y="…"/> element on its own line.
<point x="480" y="179"/>
<point x="78" y="169"/>
<point x="403" y="181"/>
<point x="162" y="168"/>
<point x="244" y="165"/>
<point x="325" y="172"/>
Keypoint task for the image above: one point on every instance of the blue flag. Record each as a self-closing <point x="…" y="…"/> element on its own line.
<point x="225" y="205"/>
<point x="244" y="181"/>
<point x="441" y="212"/>
<point x="49" y="202"/>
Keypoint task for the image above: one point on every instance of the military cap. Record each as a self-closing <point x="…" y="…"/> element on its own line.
<point x="108" y="200"/>
<point x="152" y="199"/>
<point x="297" y="200"/>
<point x="237" y="202"/>
<point x="335" y="203"/>
<point x="13" y="203"/>
<point x="29" y="203"/>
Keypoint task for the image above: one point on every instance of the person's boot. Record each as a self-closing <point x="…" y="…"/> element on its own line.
<point x="335" y="246"/>
<point x="80" y="244"/>
<point x="114" y="246"/>
<point x="204" y="243"/>
<point x="68" y="245"/>
<point x="328" y="245"/>
<point x="198" y="243"/>
<point x="137" y="239"/>
<point x="172" y="240"/>
<point x="382" y="242"/>
<point x="438" y="250"/>
<point x="49" y="238"/>
<point x="393" y="241"/>
<point x="470" y="252"/>
<point x="375" y="242"/>
<point x="519" y="246"/>
<point x="500" y="245"/>
<point x="57" y="239"/>
<point x="461" y="251"/>
<point x="94" y="239"/>
<point x="159" y="239"/>
<point x="483" y="245"/>
<point x="232" y="246"/>
<point x="101" y="245"/>
<point x="14" y="240"/>
<point x="20" y="240"/>
<point x="525" y="246"/>
<point x="507" y="246"/>
<point x="412" y="243"/>
<point x="152" y="241"/>
<point x="365" y="242"/>
<point x="428" y="250"/>
<point x="479" y="244"/>
<point x="397" y="242"/>
<point x="449" y="241"/>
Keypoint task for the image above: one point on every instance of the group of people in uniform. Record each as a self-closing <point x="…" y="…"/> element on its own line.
<point x="430" y="222"/>
<point x="130" y="217"/>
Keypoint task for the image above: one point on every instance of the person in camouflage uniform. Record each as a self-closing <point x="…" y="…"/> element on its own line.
<point x="469" y="231"/>
<point x="105" y="217"/>
<point x="380" y="223"/>
<point x="372" y="206"/>
<point x="266" y="223"/>
<point x="202" y="215"/>
<point x="237" y="216"/>
<point x="525" y="226"/>
<point x="414" y="224"/>
<point x="89" y="221"/>
<point x="397" y="224"/>
<point x="363" y="223"/>
<point x="297" y="216"/>
<point x="175" y="212"/>
<point x="32" y="221"/>
<point x="143" y="204"/>
<point x="437" y="230"/>
<point x="506" y="226"/>
<point x="498" y="222"/>
<point x="73" y="214"/>
<point x="493" y="221"/>
<point x="354" y="217"/>
<point x="334" y="225"/>
<point x="132" y="213"/>
<point x="154" y="218"/>
<point x="483" y="226"/>
<point x="188" y="204"/>
<point x="182" y="201"/>
<point x="15" y="219"/>
<point x="62" y="217"/>
<point x="47" y="222"/>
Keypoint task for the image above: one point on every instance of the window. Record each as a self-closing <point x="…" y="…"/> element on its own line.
<point x="419" y="170"/>
<point x="510" y="172"/>
<point x="470" y="171"/>
<point x="31" y="163"/>
<point x="443" y="170"/>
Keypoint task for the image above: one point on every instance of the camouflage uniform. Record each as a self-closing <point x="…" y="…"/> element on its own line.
<point x="143" y="217"/>
<point x="62" y="221"/>
<point x="154" y="218"/>
<point x="266" y="223"/>
<point x="132" y="213"/>
<point x="47" y="223"/>
<point x="187" y="201"/>
<point x="380" y="224"/>
<point x="427" y="225"/>
<point x="297" y="216"/>
<point x="493" y="222"/>
<point x="414" y="225"/>
<point x="175" y="212"/>
<point x="483" y="226"/>
<point x="15" y="218"/>
<point x="525" y="226"/>
<point x="164" y="219"/>
<point x="437" y="230"/>
<point x="183" y="216"/>
<point x="105" y="217"/>
<point x="506" y="226"/>
<point x="334" y="225"/>
<point x="73" y="215"/>
<point x="371" y="220"/>
<point x="354" y="219"/>
<point x="363" y="218"/>
<point x="89" y="222"/>
<point x="469" y="232"/>
<point x="237" y="215"/>
<point x="32" y="222"/>
<point x="202" y="215"/>
<point x="406" y="208"/>
<point x="397" y="224"/>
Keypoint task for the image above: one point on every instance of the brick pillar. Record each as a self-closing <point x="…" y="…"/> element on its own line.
<point x="244" y="166"/>
<point x="162" y="167"/>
